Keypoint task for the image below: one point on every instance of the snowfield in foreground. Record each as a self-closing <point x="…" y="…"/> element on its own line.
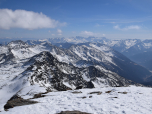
<point x="112" y="100"/>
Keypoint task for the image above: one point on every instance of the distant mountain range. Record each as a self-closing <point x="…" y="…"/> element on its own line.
<point x="135" y="49"/>
<point x="84" y="58"/>
<point x="85" y="54"/>
<point x="132" y="48"/>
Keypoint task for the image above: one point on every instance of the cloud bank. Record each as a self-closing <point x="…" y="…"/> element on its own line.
<point x="132" y="27"/>
<point x="26" y="20"/>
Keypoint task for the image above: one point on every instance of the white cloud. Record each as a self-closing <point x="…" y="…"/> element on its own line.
<point x="59" y="31"/>
<point x="53" y="34"/>
<point x="116" y="27"/>
<point x="26" y="20"/>
<point x="87" y="33"/>
<point x="49" y="31"/>
<point x="132" y="27"/>
<point x="103" y="34"/>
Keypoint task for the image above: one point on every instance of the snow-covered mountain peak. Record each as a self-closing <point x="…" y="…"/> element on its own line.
<point x="17" y="44"/>
<point x="43" y="57"/>
<point x="131" y="42"/>
<point x="101" y="47"/>
<point x="122" y="45"/>
<point x="147" y="44"/>
<point x="96" y="52"/>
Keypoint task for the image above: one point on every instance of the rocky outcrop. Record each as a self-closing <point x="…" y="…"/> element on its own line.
<point x="72" y="112"/>
<point x="17" y="101"/>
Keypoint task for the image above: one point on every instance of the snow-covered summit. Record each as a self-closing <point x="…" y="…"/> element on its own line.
<point x="144" y="46"/>
<point x="17" y="43"/>
<point x="122" y="45"/>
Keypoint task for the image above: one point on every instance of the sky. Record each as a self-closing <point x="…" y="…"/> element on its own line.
<point x="113" y="19"/>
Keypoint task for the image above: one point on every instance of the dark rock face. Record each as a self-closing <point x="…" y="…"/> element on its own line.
<point x="17" y="101"/>
<point x="7" y="57"/>
<point x="96" y="92"/>
<point x="123" y="92"/>
<point x="79" y="87"/>
<point x="39" y="95"/>
<point x="76" y="92"/>
<point x="72" y="112"/>
<point x="90" y="85"/>
<point x="108" y="91"/>
<point x="58" y="71"/>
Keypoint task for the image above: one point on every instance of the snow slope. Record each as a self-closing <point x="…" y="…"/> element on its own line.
<point x="137" y="100"/>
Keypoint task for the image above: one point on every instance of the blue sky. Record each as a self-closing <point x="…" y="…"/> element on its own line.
<point x="113" y="19"/>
